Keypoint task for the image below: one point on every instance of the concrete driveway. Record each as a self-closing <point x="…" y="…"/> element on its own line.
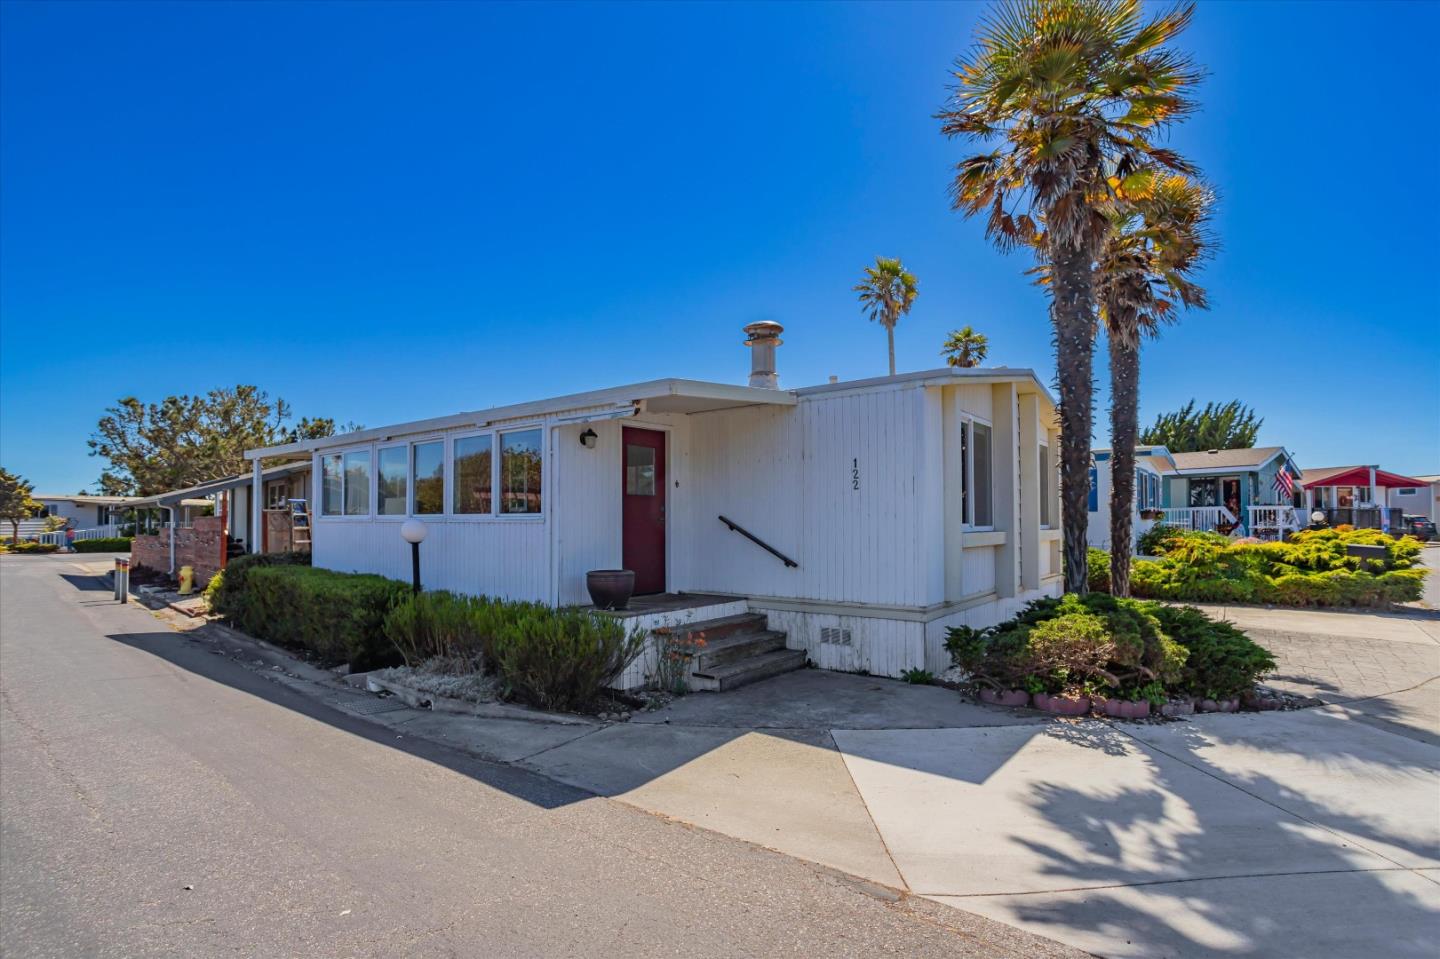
<point x="1311" y="833"/>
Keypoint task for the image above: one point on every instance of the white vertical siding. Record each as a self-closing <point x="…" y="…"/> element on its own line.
<point x="588" y="507"/>
<point x="978" y="569"/>
<point x="499" y="557"/>
<point x="788" y="476"/>
<point x="884" y="647"/>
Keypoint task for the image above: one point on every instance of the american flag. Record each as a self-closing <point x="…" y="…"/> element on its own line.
<point x="1284" y="482"/>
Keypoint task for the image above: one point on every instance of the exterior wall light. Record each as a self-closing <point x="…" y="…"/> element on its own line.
<point x="588" y="439"/>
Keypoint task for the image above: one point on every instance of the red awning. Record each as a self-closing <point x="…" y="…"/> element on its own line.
<point x="1360" y="476"/>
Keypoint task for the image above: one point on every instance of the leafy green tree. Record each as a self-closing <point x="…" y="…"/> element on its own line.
<point x="964" y="348"/>
<point x="1158" y="239"/>
<point x="1072" y="95"/>
<point x="886" y="294"/>
<point x="1229" y="426"/>
<point x="16" y="502"/>
<point x="185" y="440"/>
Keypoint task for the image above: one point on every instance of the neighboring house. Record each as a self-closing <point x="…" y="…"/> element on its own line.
<point x="228" y="524"/>
<point x="1366" y="496"/>
<point x="86" y="512"/>
<point x="1214" y="489"/>
<point x="1419" y="501"/>
<point x="863" y="518"/>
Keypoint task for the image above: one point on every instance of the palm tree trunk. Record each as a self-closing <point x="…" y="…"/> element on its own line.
<point x="1124" y="423"/>
<point x="890" y="334"/>
<point x="1072" y="311"/>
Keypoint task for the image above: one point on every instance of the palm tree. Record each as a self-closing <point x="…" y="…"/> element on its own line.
<point x="965" y="348"/>
<point x="1158" y="239"/>
<point x="1075" y="92"/>
<point x="887" y="293"/>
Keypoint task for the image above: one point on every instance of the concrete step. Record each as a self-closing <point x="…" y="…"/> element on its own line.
<point x="737" y="646"/>
<point x="749" y="670"/>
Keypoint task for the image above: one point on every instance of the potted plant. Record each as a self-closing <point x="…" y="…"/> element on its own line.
<point x="610" y="588"/>
<point x="1152" y="514"/>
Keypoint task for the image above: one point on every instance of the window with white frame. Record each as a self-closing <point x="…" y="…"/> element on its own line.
<point x="345" y="483"/>
<point x="520" y="466"/>
<point x="977" y="500"/>
<point x="332" y="484"/>
<point x="428" y="472"/>
<point x="357" y="483"/>
<point x="1045" y="482"/>
<point x="474" y="475"/>
<point x="391" y="481"/>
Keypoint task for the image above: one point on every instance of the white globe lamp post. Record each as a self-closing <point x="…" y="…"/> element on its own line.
<point x="413" y="532"/>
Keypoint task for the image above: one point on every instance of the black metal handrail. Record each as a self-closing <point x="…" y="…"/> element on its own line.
<point x="736" y="527"/>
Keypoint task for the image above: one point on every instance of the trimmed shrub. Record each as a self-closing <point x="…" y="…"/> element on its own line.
<point x="1309" y="569"/>
<point x="560" y="658"/>
<point x="1126" y="648"/>
<point x="112" y="544"/>
<point x="442" y="625"/>
<point x="28" y="546"/>
<point x="226" y="591"/>
<point x="1221" y="662"/>
<point x="337" y="616"/>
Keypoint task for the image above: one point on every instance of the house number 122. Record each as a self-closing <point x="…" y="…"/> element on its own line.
<point x="855" y="473"/>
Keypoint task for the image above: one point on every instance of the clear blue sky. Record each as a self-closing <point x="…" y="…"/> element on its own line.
<point x="383" y="212"/>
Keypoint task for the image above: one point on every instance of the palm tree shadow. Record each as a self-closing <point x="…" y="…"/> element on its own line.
<point x="1199" y="862"/>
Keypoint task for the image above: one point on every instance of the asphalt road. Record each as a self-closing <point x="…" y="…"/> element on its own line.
<point x="159" y="800"/>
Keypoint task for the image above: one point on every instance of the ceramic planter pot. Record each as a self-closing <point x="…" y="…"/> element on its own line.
<point x="1004" y="697"/>
<point x="1061" y="705"/>
<point x="610" y="588"/>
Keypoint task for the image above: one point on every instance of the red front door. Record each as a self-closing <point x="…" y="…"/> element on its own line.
<point x="643" y="485"/>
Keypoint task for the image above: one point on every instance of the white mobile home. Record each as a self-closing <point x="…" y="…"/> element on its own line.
<point x="862" y="518"/>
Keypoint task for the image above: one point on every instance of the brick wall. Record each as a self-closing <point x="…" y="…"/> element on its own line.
<point x="199" y="546"/>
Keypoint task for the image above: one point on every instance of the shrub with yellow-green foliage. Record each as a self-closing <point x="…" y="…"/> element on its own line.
<point x="1311" y="568"/>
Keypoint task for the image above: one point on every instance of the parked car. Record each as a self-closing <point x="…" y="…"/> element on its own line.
<point x="1420" y="527"/>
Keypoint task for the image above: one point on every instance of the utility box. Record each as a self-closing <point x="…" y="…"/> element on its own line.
<point x="1361" y="551"/>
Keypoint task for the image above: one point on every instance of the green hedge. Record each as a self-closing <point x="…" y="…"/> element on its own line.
<point x="113" y="544"/>
<point x="1309" y="569"/>
<point x="28" y="546"/>
<point x="226" y="589"/>
<point x="337" y="616"/>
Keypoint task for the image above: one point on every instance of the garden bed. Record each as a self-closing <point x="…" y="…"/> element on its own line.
<point x="1122" y="658"/>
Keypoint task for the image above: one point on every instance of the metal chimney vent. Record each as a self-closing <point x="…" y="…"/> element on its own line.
<point x="763" y="338"/>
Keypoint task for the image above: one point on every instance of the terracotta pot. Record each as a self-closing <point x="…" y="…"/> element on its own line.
<point x="610" y="588"/>
<point x="1062" y="705"/>
<point x="1004" y="697"/>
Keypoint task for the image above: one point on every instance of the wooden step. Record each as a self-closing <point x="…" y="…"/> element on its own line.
<point x="737" y="646"/>
<point x="713" y="630"/>
<point x="749" y="670"/>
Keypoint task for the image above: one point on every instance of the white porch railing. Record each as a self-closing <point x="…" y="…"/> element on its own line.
<point x="59" y="537"/>
<point x="1198" y="517"/>
<point x="1276" y="519"/>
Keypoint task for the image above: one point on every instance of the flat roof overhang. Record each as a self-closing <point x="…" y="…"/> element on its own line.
<point x="183" y="497"/>
<point x="654" y="396"/>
